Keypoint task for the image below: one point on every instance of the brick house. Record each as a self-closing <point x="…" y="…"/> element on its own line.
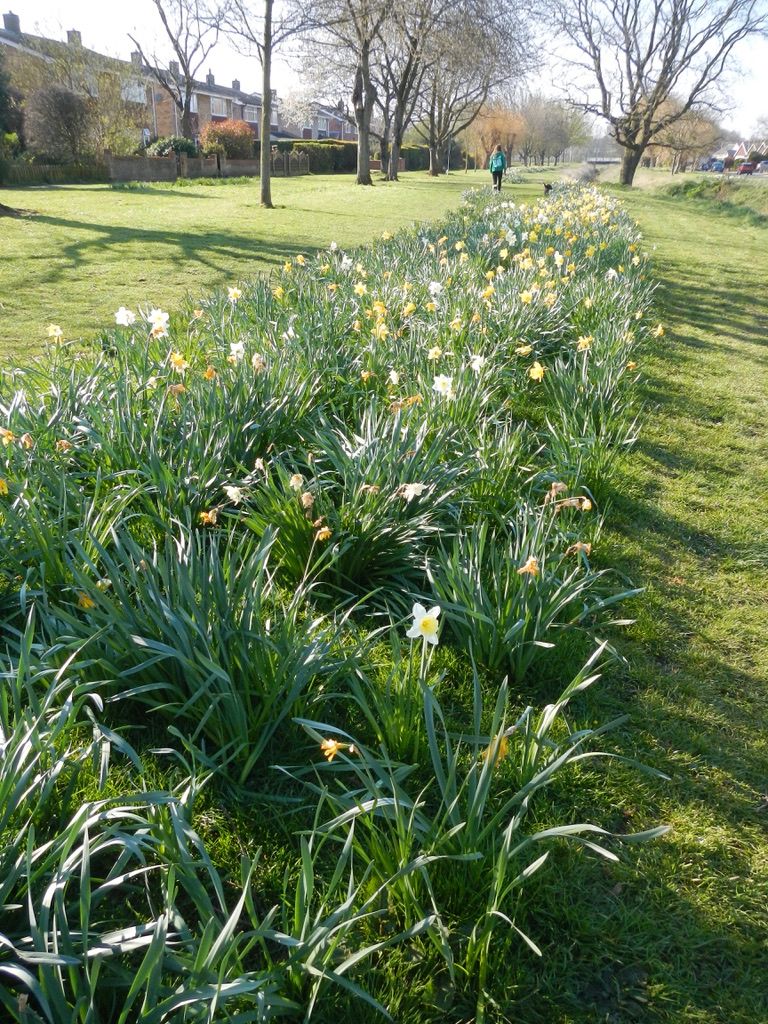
<point x="157" y="114"/>
<point x="32" y="58"/>
<point x="324" y="121"/>
<point x="210" y="102"/>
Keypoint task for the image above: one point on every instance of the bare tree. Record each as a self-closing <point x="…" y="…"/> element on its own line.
<point x="687" y="140"/>
<point x="639" y="53"/>
<point x="259" y="30"/>
<point x="481" y="44"/>
<point x="192" y="28"/>
<point x="347" y="35"/>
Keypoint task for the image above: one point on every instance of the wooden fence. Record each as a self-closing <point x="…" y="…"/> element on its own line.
<point x="52" y="174"/>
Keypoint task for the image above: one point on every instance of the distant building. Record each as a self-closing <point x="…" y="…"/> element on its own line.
<point x="210" y="103"/>
<point x="158" y="114"/>
<point x="72" y="64"/>
<point x="324" y="121"/>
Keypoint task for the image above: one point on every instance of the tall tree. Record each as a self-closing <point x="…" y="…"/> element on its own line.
<point x="347" y="34"/>
<point x="192" y="28"/>
<point x="481" y="44"/>
<point x="258" y="29"/>
<point x="637" y="54"/>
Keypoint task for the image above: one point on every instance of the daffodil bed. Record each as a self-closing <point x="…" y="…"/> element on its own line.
<point x="307" y="557"/>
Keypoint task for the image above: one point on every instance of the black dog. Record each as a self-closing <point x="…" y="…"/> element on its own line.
<point x="547" y="189"/>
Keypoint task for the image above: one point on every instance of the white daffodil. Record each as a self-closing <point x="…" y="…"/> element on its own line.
<point x="435" y="288"/>
<point x="236" y="351"/>
<point x="477" y="362"/>
<point x="233" y="294"/>
<point x="158" y="318"/>
<point x="234" y="494"/>
<point x="394" y="377"/>
<point x="125" y="317"/>
<point x="424" y="624"/>
<point x="443" y="385"/>
<point x="411" y="491"/>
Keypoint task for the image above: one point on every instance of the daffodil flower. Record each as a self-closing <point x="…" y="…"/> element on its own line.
<point x="124" y="317"/>
<point x="424" y="623"/>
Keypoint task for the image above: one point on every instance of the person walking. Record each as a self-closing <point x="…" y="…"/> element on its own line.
<point x="497" y="165"/>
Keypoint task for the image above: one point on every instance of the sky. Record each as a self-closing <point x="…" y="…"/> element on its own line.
<point x="105" y="26"/>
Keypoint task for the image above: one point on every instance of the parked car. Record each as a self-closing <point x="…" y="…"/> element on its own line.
<point x="762" y="167"/>
<point x="748" y="167"/>
<point x="718" y="166"/>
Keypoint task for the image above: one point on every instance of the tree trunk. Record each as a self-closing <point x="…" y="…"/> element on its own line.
<point x="385" y="155"/>
<point x="434" y="166"/>
<point x="363" y="98"/>
<point x="265" y="155"/>
<point x="630" y="161"/>
<point x="394" y="160"/>
<point x="397" y="142"/>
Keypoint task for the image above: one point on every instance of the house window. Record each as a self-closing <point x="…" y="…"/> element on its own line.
<point x="218" y="107"/>
<point x="250" y="113"/>
<point x="193" y="103"/>
<point x="322" y="124"/>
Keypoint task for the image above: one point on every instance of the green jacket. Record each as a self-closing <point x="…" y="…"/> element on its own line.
<point x="498" y="162"/>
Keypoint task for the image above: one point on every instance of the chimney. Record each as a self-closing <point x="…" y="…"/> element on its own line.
<point x="173" y="68"/>
<point x="236" y="84"/>
<point x="73" y="37"/>
<point x="12" y="24"/>
<point x="136" y="60"/>
<point x="209" y="79"/>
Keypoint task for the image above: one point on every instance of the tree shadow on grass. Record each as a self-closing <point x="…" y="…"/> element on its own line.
<point x="205" y="247"/>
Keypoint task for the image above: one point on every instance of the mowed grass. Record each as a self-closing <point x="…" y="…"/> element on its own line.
<point x="683" y="936"/>
<point x="88" y="249"/>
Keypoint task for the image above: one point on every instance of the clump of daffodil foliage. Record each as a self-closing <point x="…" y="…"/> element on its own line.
<point x="313" y="550"/>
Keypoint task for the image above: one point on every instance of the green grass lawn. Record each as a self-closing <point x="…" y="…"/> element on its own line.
<point x="683" y="939"/>
<point x="89" y="249"/>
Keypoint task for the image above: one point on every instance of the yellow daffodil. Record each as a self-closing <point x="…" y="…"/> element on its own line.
<point x="578" y="548"/>
<point x="435" y="352"/>
<point x="536" y="372"/>
<point x="658" y="331"/>
<point x="208" y="518"/>
<point x="323" y="534"/>
<point x="408" y="308"/>
<point x="330" y="749"/>
<point x="7" y="436"/>
<point x="85" y="602"/>
<point x="300" y="260"/>
<point x="526" y="297"/>
<point x="360" y="288"/>
<point x="584" y="343"/>
<point x="531" y="567"/>
<point x="278" y="292"/>
<point x="3" y="487"/>
<point x="209" y="373"/>
<point x="178" y="362"/>
<point x="524" y="350"/>
<point x="55" y="332"/>
<point x="488" y="292"/>
<point x="496" y="750"/>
